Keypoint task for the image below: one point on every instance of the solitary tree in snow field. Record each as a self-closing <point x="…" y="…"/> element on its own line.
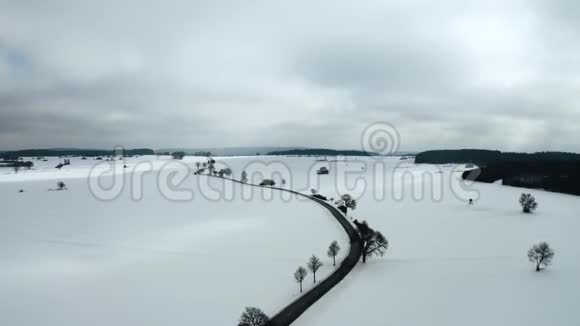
<point x="313" y="265"/>
<point x="253" y="316"/>
<point x="244" y="177"/>
<point x="347" y="202"/>
<point x="333" y="250"/>
<point x="211" y="168"/>
<point x="373" y="242"/>
<point x="16" y="168"/>
<point x="60" y="185"/>
<point x="528" y="203"/>
<point x="300" y="275"/>
<point x="228" y="172"/>
<point x="198" y="165"/>
<point x="541" y="254"/>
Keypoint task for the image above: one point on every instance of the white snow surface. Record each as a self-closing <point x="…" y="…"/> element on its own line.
<point x="453" y="264"/>
<point x="68" y="258"/>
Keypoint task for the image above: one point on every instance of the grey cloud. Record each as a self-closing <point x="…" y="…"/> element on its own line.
<point x="311" y="73"/>
<point x="370" y="68"/>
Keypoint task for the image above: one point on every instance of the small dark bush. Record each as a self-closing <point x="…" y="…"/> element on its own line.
<point x="60" y="185"/>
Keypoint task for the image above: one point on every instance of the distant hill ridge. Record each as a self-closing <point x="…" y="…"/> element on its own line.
<point x="250" y="151"/>
<point x="322" y="151"/>
<point x="72" y="152"/>
<point x="227" y="151"/>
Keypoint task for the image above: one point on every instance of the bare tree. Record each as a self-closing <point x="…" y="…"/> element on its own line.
<point x="333" y="250"/>
<point x="198" y="165"/>
<point x="313" y="265"/>
<point x="300" y="275"/>
<point x="16" y="168"/>
<point x="347" y="202"/>
<point x="253" y="316"/>
<point x="373" y="242"/>
<point x="228" y="172"/>
<point x="244" y="177"/>
<point x="61" y="185"/>
<point x="541" y="254"/>
<point x="528" y="203"/>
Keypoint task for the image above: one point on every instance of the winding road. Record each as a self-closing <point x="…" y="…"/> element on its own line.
<point x="290" y="313"/>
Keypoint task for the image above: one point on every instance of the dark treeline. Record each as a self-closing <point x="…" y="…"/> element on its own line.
<point x="557" y="176"/>
<point x="322" y="152"/>
<point x="13" y="155"/>
<point x="179" y="153"/>
<point x="10" y="164"/>
<point x="201" y="153"/>
<point x="552" y="171"/>
<point x="458" y="156"/>
<point x="485" y="157"/>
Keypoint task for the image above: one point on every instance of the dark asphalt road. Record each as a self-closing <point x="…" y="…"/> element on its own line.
<point x="289" y="314"/>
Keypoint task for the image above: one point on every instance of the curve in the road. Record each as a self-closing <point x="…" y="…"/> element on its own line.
<point x="291" y="312"/>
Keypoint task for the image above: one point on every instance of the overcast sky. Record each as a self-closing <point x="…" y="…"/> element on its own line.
<point x="141" y="73"/>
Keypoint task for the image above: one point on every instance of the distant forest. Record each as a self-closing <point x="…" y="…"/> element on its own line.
<point x="183" y="153"/>
<point x="484" y="157"/>
<point x="552" y="171"/>
<point x="13" y="155"/>
<point x="321" y="152"/>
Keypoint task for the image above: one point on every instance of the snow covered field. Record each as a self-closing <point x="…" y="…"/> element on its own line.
<point x="453" y="264"/>
<point x="70" y="259"/>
